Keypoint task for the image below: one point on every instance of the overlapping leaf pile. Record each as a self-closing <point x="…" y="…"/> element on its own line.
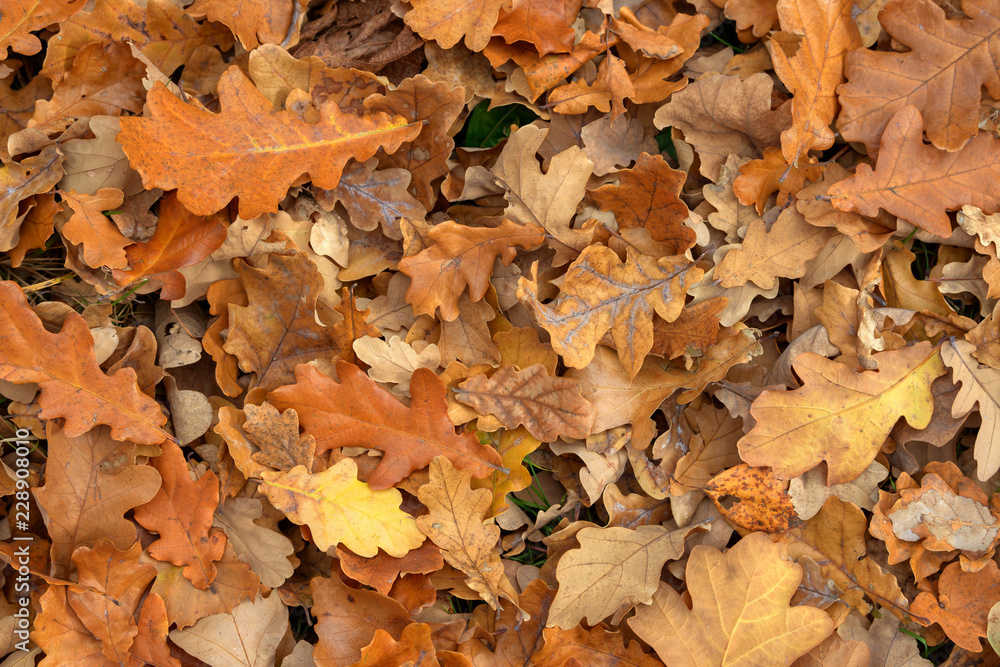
<point x="699" y="367"/>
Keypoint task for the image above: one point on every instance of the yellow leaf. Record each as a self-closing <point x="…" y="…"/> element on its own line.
<point x="839" y="415"/>
<point x="740" y="616"/>
<point x="339" y="509"/>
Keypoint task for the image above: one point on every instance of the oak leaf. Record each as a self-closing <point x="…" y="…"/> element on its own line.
<point x="73" y="386"/>
<point x="613" y="567"/>
<point x="277" y="330"/>
<point x="946" y="64"/>
<point x="181" y="512"/>
<point x="254" y="23"/>
<point x="105" y="80"/>
<point x="255" y="154"/>
<point x="647" y="196"/>
<point x="414" y="647"/>
<point x="19" y="181"/>
<point x="597" y="647"/>
<point x="960" y="603"/>
<point x="435" y="106"/>
<point x="347" y="619"/>
<point x="266" y="550"/>
<point x="783" y="251"/>
<point x="185" y="604"/>
<point x="538" y="22"/>
<point x="839" y="415"/>
<point x="740" y="613"/>
<point x="472" y="20"/>
<point x="160" y="29"/>
<point x="20" y="20"/>
<point x="456" y="524"/>
<point x="91" y="481"/>
<point x="355" y="412"/>
<point x="980" y="385"/>
<point x="724" y="115"/>
<point x="947" y="512"/>
<point x="514" y="446"/>
<point x="101" y="242"/>
<point x="932" y="182"/>
<point x="546" y="406"/>
<point x="381" y="571"/>
<point x="339" y="509"/>
<point x="116" y="582"/>
<point x="600" y="293"/>
<point x="549" y="200"/>
<point x="181" y="239"/>
<point x="246" y="636"/>
<point x="761" y="502"/>
<point x="462" y="257"/>
<point x="395" y="361"/>
<point x="814" y="71"/>
<point x="834" y="539"/>
<point x="61" y="635"/>
<point x="373" y="197"/>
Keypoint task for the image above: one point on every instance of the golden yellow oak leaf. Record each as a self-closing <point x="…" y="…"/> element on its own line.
<point x="247" y="151"/>
<point x="839" y="415"/>
<point x="455" y="524"/>
<point x="614" y="566"/>
<point x="339" y="509"/>
<point x="740" y="614"/>
<point x="600" y="293"/>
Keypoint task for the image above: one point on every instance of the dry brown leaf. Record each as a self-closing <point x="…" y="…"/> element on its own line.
<point x="546" y="406"/>
<point x="456" y="524"/>
<point x="600" y="293"/>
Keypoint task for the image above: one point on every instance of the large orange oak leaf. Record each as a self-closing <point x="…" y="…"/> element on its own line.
<point x="277" y="330"/>
<point x="601" y="293"/>
<point x="839" y="415"/>
<point x="356" y="412"/>
<point x="91" y="481"/>
<point x="73" y="387"/>
<point x="339" y="509"/>
<point x="942" y="72"/>
<point x="247" y="151"/>
<point x="647" y="196"/>
<point x="814" y="71"/>
<point x="457" y="524"/>
<point x="181" y="512"/>
<point x="462" y="257"/>
<point x="740" y="613"/>
<point x="920" y="183"/>
<point x="547" y="406"/>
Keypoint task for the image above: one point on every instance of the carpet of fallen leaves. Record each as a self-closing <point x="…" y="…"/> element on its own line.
<point x="562" y="333"/>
